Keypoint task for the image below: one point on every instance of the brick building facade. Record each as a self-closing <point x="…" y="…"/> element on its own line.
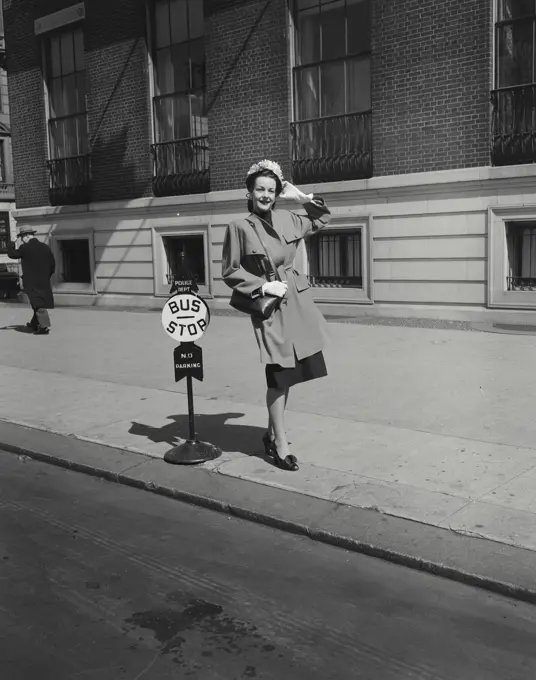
<point x="7" y="190"/>
<point x="134" y="122"/>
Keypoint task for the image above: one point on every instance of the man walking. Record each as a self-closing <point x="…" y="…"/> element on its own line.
<point x="38" y="265"/>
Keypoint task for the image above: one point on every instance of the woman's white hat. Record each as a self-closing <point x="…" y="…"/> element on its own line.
<point x="267" y="165"/>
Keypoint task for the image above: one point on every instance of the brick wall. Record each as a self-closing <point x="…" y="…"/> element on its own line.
<point x="28" y="129"/>
<point x="430" y="89"/>
<point x="430" y="84"/>
<point x="118" y="102"/>
<point x="249" y="114"/>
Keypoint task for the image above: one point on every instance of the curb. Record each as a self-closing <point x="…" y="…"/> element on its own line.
<point x="463" y="545"/>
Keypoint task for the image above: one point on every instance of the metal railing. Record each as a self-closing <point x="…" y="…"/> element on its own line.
<point x="7" y="188"/>
<point x="333" y="148"/>
<point x="513" y="137"/>
<point x="521" y="283"/>
<point x="181" y="167"/>
<point x="69" y="180"/>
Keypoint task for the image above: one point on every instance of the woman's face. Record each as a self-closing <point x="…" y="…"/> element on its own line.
<point x="264" y="194"/>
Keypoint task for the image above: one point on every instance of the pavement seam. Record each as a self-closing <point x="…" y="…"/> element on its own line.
<point x="316" y="534"/>
<point x="507" y="481"/>
<point x="449" y="517"/>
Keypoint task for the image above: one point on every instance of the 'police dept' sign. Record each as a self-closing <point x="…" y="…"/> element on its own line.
<point x="185" y="317"/>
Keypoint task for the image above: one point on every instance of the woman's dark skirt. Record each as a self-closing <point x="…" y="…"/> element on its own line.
<point x="309" y="368"/>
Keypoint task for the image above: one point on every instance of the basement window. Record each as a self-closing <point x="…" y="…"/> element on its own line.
<point x="75" y="265"/>
<point x="521" y="251"/>
<point x="336" y="259"/>
<point x="4" y="232"/>
<point x="185" y="258"/>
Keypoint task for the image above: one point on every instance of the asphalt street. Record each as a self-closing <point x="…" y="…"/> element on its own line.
<point x="102" y="582"/>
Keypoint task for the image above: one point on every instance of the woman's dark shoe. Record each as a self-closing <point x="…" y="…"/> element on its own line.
<point x="287" y="463"/>
<point x="267" y="441"/>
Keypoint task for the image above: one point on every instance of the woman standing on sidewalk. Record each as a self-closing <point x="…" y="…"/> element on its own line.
<point x="292" y="338"/>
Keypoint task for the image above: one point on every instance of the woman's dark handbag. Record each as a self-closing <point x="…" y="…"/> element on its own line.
<point x="261" y="307"/>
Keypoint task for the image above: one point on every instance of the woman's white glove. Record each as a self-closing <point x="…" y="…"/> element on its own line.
<point x="292" y="192"/>
<point x="275" y="288"/>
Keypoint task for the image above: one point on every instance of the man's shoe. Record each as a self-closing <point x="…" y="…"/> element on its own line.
<point x="42" y="331"/>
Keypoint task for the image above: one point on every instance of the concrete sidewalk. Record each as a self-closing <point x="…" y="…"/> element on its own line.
<point x="435" y="426"/>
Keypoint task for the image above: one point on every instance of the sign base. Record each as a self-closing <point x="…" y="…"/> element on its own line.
<point x="192" y="453"/>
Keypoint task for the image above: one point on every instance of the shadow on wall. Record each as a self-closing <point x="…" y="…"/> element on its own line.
<point x="214" y="429"/>
<point x="112" y="150"/>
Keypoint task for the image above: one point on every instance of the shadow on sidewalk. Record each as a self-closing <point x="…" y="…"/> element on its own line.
<point x="213" y="429"/>
<point x="17" y="328"/>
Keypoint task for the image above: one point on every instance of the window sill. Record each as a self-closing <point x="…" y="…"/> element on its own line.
<point x="337" y="295"/>
<point x="513" y="300"/>
<point x="78" y="288"/>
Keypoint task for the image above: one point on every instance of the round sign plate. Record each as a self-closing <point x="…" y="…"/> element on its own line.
<point x="185" y="317"/>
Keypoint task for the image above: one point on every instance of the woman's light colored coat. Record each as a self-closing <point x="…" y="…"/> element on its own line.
<point x="297" y="327"/>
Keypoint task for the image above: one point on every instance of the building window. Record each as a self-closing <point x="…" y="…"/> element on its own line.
<point x="4" y="232"/>
<point x="2" y="161"/>
<point x="521" y="251"/>
<point x="512" y="257"/>
<point x="75" y="266"/>
<point x="181" y="125"/>
<point x="181" y="252"/>
<point x="514" y="97"/>
<point x="67" y="116"/>
<point x="185" y="256"/>
<point x="335" y="259"/>
<point x="332" y="92"/>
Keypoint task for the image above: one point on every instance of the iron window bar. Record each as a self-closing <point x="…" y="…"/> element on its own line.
<point x="69" y="180"/>
<point x="332" y="148"/>
<point x="181" y="167"/>
<point x="513" y="138"/>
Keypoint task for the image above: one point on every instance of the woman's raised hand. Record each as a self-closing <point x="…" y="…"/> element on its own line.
<point x="275" y="288"/>
<point x="292" y="192"/>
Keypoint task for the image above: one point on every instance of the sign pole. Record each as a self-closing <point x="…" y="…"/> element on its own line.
<point x="185" y="318"/>
<point x="191" y="416"/>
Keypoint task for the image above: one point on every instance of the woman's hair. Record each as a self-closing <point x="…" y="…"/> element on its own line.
<point x="250" y="183"/>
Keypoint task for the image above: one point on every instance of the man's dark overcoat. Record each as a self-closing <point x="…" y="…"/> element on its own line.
<point x="38" y="265"/>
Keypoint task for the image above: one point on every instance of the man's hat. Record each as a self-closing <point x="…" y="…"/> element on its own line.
<point x="26" y="231"/>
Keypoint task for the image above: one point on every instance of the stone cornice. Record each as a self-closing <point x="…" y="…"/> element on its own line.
<point x="234" y="201"/>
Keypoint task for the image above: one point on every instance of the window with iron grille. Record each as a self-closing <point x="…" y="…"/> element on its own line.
<point x="514" y="97"/>
<point x="4" y="232"/>
<point x="66" y="89"/>
<point x="2" y="161"/>
<point x="521" y="250"/>
<point x="179" y="70"/>
<point x="332" y="90"/>
<point x="180" y="152"/>
<point x="185" y="256"/>
<point x="332" y="72"/>
<point x="515" y="36"/>
<point x="335" y="259"/>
